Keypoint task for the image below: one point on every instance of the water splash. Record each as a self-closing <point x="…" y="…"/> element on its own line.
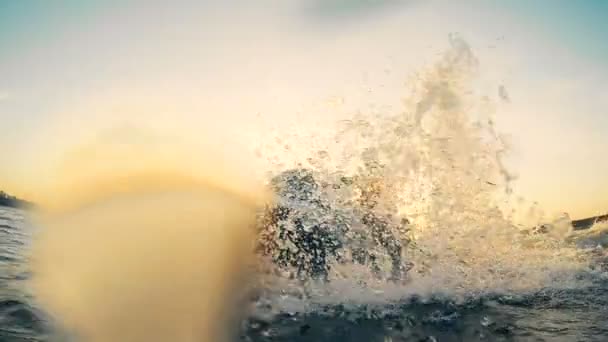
<point x="439" y="164"/>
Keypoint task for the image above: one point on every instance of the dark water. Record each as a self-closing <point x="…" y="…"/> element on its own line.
<point x="19" y="319"/>
<point x="578" y="314"/>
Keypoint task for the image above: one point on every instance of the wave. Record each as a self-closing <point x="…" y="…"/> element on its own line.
<point x="438" y="164"/>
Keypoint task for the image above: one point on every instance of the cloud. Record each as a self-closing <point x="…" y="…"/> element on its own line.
<point x="345" y="9"/>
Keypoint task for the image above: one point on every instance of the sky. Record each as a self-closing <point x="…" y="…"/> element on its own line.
<point x="210" y="70"/>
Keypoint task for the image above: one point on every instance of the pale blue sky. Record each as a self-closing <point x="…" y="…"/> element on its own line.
<point x="63" y="63"/>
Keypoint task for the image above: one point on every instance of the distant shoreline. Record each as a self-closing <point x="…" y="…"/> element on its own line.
<point x="9" y="201"/>
<point x="586" y="223"/>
